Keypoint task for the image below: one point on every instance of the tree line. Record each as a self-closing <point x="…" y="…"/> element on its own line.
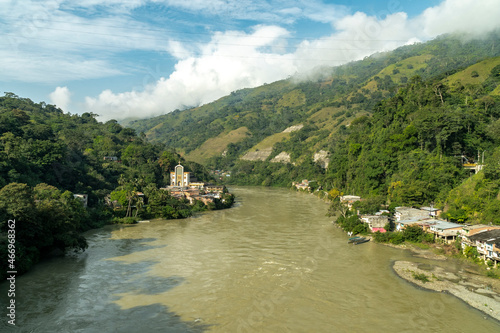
<point x="48" y="156"/>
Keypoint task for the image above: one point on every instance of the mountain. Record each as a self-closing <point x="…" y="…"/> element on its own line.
<point x="394" y="126"/>
<point x="253" y="120"/>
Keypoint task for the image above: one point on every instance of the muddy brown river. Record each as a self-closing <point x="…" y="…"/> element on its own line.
<point x="273" y="263"/>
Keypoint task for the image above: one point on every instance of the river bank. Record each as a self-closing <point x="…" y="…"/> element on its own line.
<point x="480" y="292"/>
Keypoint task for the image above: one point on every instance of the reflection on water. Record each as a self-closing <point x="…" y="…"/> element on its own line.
<point x="273" y="263"/>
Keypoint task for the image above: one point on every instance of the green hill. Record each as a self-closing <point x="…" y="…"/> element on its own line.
<point x="327" y="103"/>
<point x="394" y="126"/>
<point x="62" y="174"/>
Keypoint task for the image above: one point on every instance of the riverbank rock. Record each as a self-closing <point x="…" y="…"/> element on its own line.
<point x="479" y="292"/>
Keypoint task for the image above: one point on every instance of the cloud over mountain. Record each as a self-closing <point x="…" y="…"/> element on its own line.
<point x="209" y="48"/>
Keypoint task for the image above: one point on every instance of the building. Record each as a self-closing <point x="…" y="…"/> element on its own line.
<point x="446" y="231"/>
<point x="375" y="222"/>
<point x="179" y="178"/>
<point x="304" y="185"/>
<point x="487" y="244"/>
<point x="215" y="188"/>
<point x="425" y="224"/>
<point x="470" y="230"/>
<point x="408" y="213"/>
<point x="349" y="200"/>
<point x="431" y="211"/>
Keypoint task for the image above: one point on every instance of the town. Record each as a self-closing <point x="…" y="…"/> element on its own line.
<point x="182" y="185"/>
<point x="184" y="194"/>
<point x="481" y="239"/>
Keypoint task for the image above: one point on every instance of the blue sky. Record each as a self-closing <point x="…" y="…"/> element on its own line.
<point x="140" y="58"/>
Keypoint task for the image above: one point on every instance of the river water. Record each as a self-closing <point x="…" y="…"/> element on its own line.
<point x="273" y="263"/>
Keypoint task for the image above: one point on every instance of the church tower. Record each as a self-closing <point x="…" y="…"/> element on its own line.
<point x="179" y="178"/>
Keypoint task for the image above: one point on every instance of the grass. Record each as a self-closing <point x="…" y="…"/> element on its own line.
<point x="483" y="69"/>
<point x="492" y="274"/>
<point x="417" y="62"/>
<point x="292" y="99"/>
<point x="423" y="246"/>
<point x="215" y="146"/>
<point x="421" y="277"/>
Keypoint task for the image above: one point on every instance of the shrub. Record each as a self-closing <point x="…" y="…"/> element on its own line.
<point x="413" y="233"/>
<point x="492" y="274"/>
<point x="421" y="277"/>
<point x="429" y="238"/>
<point x="397" y="238"/>
<point x="389" y="237"/>
<point x="471" y="252"/>
<point x="124" y="220"/>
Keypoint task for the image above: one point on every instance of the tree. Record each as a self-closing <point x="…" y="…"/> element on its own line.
<point x="337" y="207"/>
<point x="413" y="233"/>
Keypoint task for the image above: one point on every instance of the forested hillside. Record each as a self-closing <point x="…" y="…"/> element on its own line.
<point x="47" y="156"/>
<point x="396" y="127"/>
<point x="222" y="132"/>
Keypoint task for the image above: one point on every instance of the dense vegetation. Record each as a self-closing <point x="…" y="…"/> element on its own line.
<point x="397" y="126"/>
<point x="47" y="156"/>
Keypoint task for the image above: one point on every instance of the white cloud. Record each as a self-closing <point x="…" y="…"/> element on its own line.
<point x="61" y="97"/>
<point x="56" y="41"/>
<point x="229" y="62"/>
<point x="469" y="16"/>
<point x="233" y="60"/>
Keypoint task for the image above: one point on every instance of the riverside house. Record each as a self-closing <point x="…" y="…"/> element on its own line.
<point x="349" y="200"/>
<point x="409" y="213"/>
<point x="431" y="211"/>
<point x="487" y="244"/>
<point x="423" y="223"/>
<point x="470" y="230"/>
<point x="375" y="222"/>
<point x="446" y="231"/>
<point x="304" y="185"/>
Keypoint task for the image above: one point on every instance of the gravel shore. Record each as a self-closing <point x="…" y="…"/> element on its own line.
<point x="480" y="292"/>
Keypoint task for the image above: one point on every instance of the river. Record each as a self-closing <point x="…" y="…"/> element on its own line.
<point x="272" y="263"/>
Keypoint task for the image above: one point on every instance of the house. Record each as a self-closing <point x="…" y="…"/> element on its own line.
<point x="215" y="188"/>
<point x="302" y="186"/>
<point x="197" y="185"/>
<point x="409" y="213"/>
<point x="470" y="230"/>
<point x="422" y="223"/>
<point x="496" y="254"/>
<point x="111" y="158"/>
<point x="431" y="211"/>
<point x="446" y="231"/>
<point x="349" y="200"/>
<point x="375" y="222"/>
<point x="487" y="244"/>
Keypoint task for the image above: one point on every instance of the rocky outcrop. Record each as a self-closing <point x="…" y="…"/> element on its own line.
<point x="282" y="157"/>
<point x="322" y="158"/>
<point x="259" y="155"/>
<point x="293" y="128"/>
